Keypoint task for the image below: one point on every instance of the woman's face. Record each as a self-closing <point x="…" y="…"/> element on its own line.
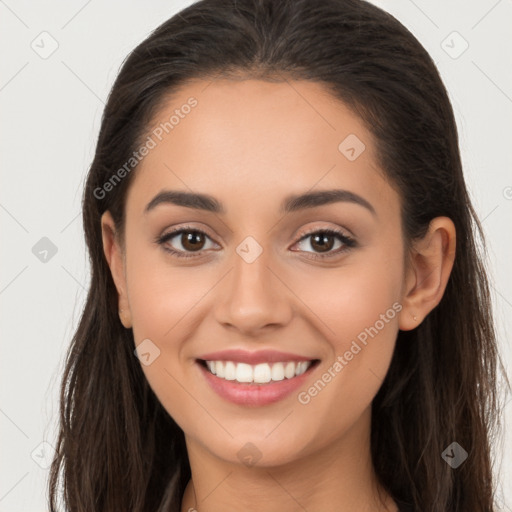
<point x="251" y="282"/>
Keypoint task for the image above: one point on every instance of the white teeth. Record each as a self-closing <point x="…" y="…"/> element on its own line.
<point x="301" y="367"/>
<point x="260" y="373"/>
<point x="243" y="372"/>
<point x="219" y="368"/>
<point x="230" y="370"/>
<point x="289" y="370"/>
<point x="277" y="372"/>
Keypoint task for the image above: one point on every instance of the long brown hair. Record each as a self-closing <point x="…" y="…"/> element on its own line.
<point x="118" y="449"/>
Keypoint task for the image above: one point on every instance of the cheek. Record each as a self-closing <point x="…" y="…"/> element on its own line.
<point x="353" y="296"/>
<point x="161" y="294"/>
<point x="164" y="302"/>
<point x="358" y="308"/>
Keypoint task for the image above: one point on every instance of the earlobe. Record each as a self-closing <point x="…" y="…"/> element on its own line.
<point x="114" y="256"/>
<point x="431" y="263"/>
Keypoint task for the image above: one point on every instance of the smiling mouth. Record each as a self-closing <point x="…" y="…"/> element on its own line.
<point x="262" y="373"/>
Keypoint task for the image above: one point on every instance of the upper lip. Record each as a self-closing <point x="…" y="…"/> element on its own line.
<point x="260" y="356"/>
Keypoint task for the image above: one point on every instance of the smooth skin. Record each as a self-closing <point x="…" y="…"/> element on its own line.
<point x="251" y="144"/>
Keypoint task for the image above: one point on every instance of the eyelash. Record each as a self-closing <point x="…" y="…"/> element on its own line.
<point x="348" y="242"/>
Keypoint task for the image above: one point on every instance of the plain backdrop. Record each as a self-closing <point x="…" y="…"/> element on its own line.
<point x="59" y="60"/>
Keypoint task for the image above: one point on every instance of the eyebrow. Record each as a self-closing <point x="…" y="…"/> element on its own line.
<point x="290" y="204"/>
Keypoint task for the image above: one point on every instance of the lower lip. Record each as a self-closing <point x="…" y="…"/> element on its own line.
<point x="255" y="394"/>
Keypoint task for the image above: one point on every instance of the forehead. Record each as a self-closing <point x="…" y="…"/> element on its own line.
<point x="252" y="139"/>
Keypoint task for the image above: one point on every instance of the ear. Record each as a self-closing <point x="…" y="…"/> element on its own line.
<point x="430" y="265"/>
<point x="115" y="258"/>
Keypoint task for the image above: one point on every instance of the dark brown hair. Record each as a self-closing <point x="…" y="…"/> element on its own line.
<point x="118" y="449"/>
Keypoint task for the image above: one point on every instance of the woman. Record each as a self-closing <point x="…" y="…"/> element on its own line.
<point x="287" y="308"/>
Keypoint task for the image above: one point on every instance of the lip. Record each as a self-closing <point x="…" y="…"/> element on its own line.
<point x="255" y="395"/>
<point x="259" y="356"/>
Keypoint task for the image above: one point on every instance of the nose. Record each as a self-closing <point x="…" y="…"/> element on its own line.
<point x="253" y="297"/>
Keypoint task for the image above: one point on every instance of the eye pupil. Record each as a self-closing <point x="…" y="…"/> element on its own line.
<point x="189" y="240"/>
<point x="323" y="241"/>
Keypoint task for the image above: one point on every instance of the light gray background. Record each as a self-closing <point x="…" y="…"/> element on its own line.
<point x="50" y="113"/>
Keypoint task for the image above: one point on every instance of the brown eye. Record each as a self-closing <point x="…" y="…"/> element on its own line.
<point x="184" y="242"/>
<point x="192" y="240"/>
<point x="322" y="242"/>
